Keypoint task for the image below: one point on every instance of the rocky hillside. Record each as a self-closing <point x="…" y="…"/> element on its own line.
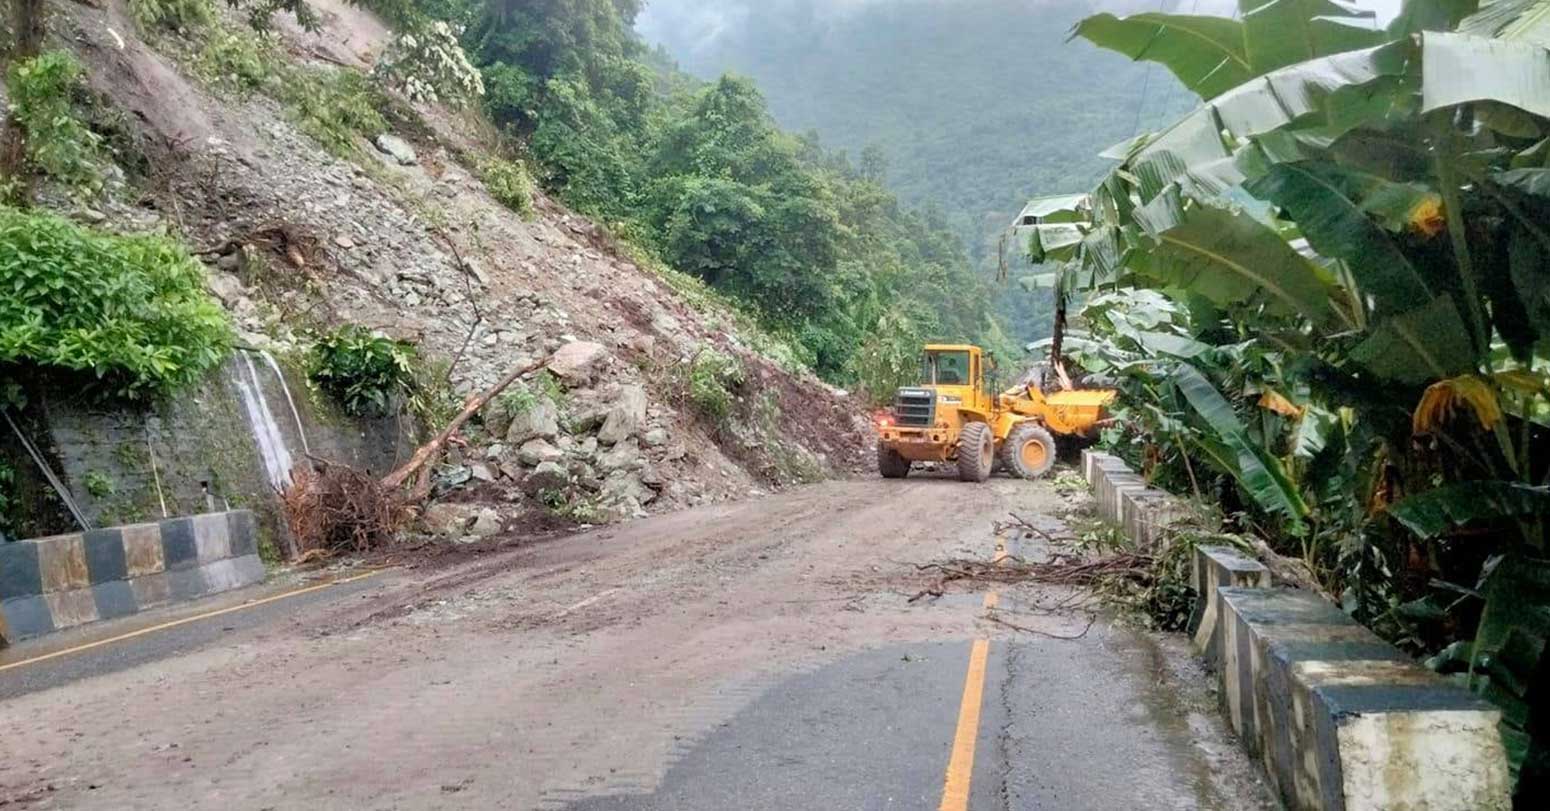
<point x="395" y="231"/>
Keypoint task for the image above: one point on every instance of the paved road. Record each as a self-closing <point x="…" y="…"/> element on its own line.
<point x="763" y="655"/>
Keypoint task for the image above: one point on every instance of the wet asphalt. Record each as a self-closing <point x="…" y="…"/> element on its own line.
<point x="1079" y="725"/>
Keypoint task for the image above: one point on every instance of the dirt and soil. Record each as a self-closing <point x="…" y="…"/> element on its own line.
<point x="534" y="675"/>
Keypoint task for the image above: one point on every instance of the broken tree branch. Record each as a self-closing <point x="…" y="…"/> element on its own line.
<point x="419" y="463"/>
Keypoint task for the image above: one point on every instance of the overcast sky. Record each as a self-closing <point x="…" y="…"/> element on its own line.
<point x="691" y="24"/>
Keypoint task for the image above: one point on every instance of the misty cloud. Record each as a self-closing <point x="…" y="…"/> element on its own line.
<point x="689" y="27"/>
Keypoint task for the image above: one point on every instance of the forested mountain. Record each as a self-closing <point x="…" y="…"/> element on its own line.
<point x="973" y="105"/>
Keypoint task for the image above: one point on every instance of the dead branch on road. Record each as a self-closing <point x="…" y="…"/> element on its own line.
<point x="1025" y="629"/>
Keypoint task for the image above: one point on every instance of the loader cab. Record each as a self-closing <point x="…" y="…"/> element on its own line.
<point x="952" y="379"/>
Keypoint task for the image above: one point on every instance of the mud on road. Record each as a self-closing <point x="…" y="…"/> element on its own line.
<point x="537" y="675"/>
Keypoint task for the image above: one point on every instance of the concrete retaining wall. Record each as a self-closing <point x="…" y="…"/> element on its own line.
<point x="1147" y="515"/>
<point x="1340" y="719"/>
<point x="50" y="584"/>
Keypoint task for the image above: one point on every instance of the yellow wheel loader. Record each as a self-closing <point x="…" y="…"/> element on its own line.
<point x="953" y="416"/>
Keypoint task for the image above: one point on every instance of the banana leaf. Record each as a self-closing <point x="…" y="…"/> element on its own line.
<point x="1428" y="343"/>
<point x="1258" y="471"/>
<point x="1461" y="68"/>
<point x="1517" y="20"/>
<point x="1329" y="203"/>
<point x="1230" y="258"/>
<point x="1437" y="511"/>
<point x="1285" y="32"/>
<point x="1206" y="53"/>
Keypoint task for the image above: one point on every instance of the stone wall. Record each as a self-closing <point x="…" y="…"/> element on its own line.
<point x="50" y="584"/>
<point x="198" y="451"/>
<point x="1339" y="719"/>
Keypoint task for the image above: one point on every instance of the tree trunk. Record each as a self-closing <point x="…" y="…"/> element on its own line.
<point x="1058" y="340"/>
<point x="27" y="23"/>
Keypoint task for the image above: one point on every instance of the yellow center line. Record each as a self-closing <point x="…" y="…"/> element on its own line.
<point x="186" y="620"/>
<point x="960" y="765"/>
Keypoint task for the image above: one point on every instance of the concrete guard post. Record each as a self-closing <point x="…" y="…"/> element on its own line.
<point x="50" y="584"/>
<point x="1343" y="721"/>
<point x="1340" y="719"/>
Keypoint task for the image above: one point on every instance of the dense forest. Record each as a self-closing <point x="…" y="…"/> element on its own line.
<point x="701" y="176"/>
<point x="971" y="107"/>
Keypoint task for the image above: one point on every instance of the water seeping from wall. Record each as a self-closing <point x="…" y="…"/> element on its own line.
<point x="266" y="432"/>
<point x="301" y="432"/>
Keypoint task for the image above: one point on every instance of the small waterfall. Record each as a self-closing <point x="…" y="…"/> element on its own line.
<point x="266" y="432"/>
<point x="286" y="390"/>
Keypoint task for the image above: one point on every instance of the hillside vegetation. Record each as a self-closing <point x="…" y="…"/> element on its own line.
<point x="970" y="107"/>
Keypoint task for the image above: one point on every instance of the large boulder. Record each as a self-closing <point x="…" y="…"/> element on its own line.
<point x="486" y="523"/>
<point x="448" y="520"/>
<point x="548" y="476"/>
<point x="623" y="456"/>
<point x="540" y="420"/>
<point x="396" y="148"/>
<point x="576" y="363"/>
<point x="624" y="417"/>
<point x="536" y="451"/>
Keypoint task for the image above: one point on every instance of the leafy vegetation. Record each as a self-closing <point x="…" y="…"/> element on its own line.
<point x="510" y="184"/>
<point x="965" y="109"/>
<point x="130" y="311"/>
<point x="367" y="374"/>
<point x="42" y="93"/>
<point x="1322" y="296"/>
<point x="713" y="379"/>
<point x="427" y="64"/>
<point x="335" y="107"/>
<point x="173" y="14"/>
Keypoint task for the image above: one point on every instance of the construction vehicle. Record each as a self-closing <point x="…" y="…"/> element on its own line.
<point x="953" y="416"/>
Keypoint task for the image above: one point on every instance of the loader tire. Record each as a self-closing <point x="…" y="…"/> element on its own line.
<point x="1029" y="451"/>
<point x="976" y="452"/>
<point x="891" y="464"/>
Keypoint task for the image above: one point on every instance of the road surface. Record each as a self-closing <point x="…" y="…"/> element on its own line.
<point x="758" y="655"/>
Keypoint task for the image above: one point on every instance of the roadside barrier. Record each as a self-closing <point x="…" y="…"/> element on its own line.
<point x="50" y="584"/>
<point x="1339" y="719"/>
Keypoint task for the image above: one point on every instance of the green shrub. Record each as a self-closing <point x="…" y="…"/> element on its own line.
<point x="173" y="14"/>
<point x="364" y="373"/>
<point x="335" y="107"/>
<point x="243" y="62"/>
<point x="713" y="377"/>
<point x="131" y="310"/>
<point x="510" y="184"/>
<point x="43" y="91"/>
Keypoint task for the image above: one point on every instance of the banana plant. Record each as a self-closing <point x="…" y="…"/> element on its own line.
<point x="1367" y="207"/>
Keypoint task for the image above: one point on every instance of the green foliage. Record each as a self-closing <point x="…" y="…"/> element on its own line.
<point x="366" y="374"/>
<point x="42" y="93"/>
<point x="239" y="61"/>
<point x="712" y="381"/>
<point x="173" y="14"/>
<point x="336" y="107"/>
<point x="98" y="485"/>
<point x="510" y="184"/>
<point x="130" y="310"/>
<point x="970" y="108"/>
